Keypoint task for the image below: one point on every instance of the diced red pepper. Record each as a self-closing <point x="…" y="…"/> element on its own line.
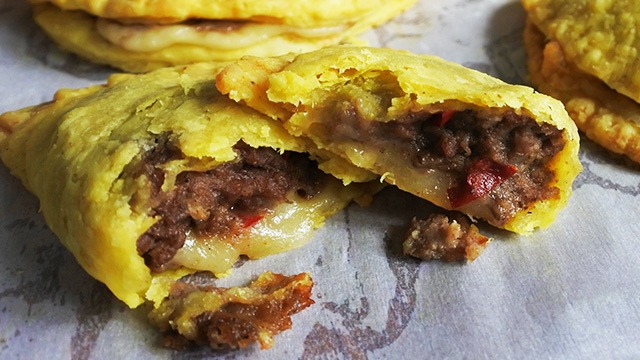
<point x="483" y="176"/>
<point x="249" y="221"/>
<point x="445" y="116"/>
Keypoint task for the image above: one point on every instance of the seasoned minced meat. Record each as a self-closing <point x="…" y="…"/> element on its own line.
<point x="453" y="141"/>
<point x="449" y="237"/>
<point x="232" y="318"/>
<point x="222" y="201"/>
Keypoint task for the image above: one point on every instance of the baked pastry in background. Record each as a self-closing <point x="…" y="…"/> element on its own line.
<point x="151" y="177"/>
<point x="140" y="35"/>
<point x="454" y="136"/>
<point x="585" y="53"/>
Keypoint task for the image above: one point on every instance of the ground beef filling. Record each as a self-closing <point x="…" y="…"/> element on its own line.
<point x="447" y="236"/>
<point x="454" y="141"/>
<point x="224" y="201"/>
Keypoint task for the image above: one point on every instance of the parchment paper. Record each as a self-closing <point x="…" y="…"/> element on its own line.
<point x="567" y="292"/>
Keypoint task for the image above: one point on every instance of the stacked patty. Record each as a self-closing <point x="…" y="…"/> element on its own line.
<point x="139" y="36"/>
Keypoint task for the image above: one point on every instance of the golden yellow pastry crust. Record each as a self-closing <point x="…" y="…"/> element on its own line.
<point x="304" y="13"/>
<point x="77" y="32"/>
<point x="600" y="37"/>
<point x="389" y="84"/>
<point x="76" y="155"/>
<point x="604" y="115"/>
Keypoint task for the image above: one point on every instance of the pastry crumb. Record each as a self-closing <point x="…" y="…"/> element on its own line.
<point x="231" y="318"/>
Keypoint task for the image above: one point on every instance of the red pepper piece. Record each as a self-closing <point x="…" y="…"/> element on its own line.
<point x="445" y="116"/>
<point x="249" y="221"/>
<point x="483" y="176"/>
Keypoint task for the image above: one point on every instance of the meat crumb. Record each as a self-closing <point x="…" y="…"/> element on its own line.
<point x="231" y="318"/>
<point x="450" y="237"/>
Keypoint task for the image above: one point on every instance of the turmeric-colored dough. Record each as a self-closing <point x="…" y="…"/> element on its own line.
<point x="139" y="36"/>
<point x="586" y="55"/>
<point x="341" y="96"/>
<point x="304" y="13"/>
<point x="603" y="114"/>
<point x="599" y="37"/>
<point x="80" y="154"/>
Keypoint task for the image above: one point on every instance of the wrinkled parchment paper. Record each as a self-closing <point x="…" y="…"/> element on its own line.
<point x="568" y="292"/>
